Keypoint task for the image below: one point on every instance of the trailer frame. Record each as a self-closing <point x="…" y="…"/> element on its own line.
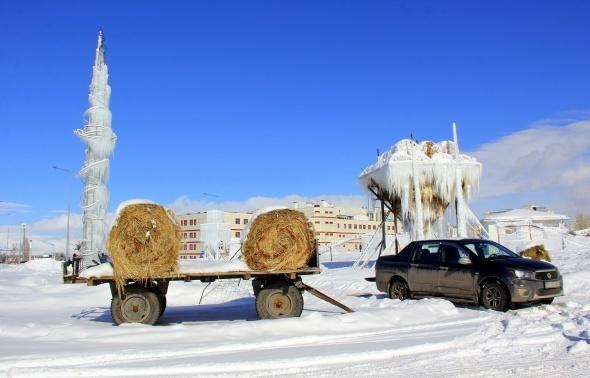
<point x="278" y="293"/>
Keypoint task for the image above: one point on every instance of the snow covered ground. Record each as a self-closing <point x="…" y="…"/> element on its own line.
<point x="50" y="329"/>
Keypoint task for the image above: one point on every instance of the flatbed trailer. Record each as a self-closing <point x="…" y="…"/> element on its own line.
<point x="278" y="293"/>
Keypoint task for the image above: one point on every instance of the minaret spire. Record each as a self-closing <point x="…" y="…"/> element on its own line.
<point x="100" y="141"/>
<point x="99" y="60"/>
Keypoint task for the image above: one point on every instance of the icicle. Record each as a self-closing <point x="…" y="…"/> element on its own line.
<point x="461" y="227"/>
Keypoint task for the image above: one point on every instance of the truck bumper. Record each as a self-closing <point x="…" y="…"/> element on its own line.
<point x="522" y="291"/>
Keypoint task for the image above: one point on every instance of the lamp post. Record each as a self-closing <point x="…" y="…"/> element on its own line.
<point x="69" y="208"/>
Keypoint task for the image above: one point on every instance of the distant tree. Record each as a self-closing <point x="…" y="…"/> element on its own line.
<point x="582" y="222"/>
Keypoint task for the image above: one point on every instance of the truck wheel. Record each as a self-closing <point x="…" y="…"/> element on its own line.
<point x="140" y="306"/>
<point x="279" y="300"/>
<point x="494" y="297"/>
<point x="117" y="311"/>
<point x="399" y="290"/>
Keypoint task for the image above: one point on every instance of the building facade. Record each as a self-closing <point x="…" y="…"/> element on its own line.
<point x="341" y="226"/>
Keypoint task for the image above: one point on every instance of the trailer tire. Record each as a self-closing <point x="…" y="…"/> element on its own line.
<point x="117" y="311"/>
<point x="141" y="306"/>
<point x="279" y="300"/>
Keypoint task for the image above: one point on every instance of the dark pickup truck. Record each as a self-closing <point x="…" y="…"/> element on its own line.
<point x="467" y="270"/>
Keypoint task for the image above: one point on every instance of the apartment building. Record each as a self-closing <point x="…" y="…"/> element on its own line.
<point x="343" y="226"/>
<point x="338" y="225"/>
<point x="190" y="224"/>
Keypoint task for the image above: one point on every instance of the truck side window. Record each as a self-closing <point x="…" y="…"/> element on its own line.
<point x="452" y="254"/>
<point x="427" y="253"/>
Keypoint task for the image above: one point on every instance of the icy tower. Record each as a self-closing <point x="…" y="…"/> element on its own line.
<point x="100" y="141"/>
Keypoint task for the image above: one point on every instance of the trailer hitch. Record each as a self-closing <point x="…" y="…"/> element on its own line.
<point x="301" y="286"/>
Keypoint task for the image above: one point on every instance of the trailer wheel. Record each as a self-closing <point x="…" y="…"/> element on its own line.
<point x="279" y="300"/>
<point x="117" y="311"/>
<point x="140" y="306"/>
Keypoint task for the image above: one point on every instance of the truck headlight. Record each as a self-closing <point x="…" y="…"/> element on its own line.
<point x="523" y="274"/>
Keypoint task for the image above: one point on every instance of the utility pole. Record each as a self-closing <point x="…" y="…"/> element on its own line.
<point x="69" y="208"/>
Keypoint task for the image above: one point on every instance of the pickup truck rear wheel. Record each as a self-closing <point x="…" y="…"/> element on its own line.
<point x="399" y="290"/>
<point x="495" y="297"/>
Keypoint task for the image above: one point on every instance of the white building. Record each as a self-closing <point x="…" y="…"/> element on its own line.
<point x="527" y="223"/>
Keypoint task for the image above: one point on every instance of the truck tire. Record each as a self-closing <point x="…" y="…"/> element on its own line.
<point x="140" y="306"/>
<point x="279" y="300"/>
<point x="399" y="290"/>
<point x="495" y="297"/>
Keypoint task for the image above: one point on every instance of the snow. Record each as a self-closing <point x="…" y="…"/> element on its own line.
<point x="102" y="270"/>
<point x="184" y="266"/>
<point x="50" y="329"/>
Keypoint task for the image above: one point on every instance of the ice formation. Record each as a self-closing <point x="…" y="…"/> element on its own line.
<point x="215" y="235"/>
<point x="420" y="181"/>
<point x="100" y="141"/>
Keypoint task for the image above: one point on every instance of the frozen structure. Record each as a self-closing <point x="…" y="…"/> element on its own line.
<point x="418" y="182"/>
<point x="215" y="236"/>
<point x="100" y="141"/>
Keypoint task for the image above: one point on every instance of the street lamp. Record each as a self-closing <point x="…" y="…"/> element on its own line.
<point x="69" y="207"/>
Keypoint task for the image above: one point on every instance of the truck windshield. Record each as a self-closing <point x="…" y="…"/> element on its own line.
<point x="488" y="250"/>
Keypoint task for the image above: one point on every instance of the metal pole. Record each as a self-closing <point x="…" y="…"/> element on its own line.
<point x="71" y="178"/>
<point x="384" y="243"/>
<point x="460" y="212"/>
<point x="395" y="229"/>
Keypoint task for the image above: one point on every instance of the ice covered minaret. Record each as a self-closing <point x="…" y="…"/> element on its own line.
<point x="100" y="141"/>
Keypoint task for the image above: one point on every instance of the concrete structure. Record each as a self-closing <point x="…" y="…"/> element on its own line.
<point x="527" y="223"/>
<point x="332" y="224"/>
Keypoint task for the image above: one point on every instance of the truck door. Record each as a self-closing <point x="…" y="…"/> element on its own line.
<point x="455" y="275"/>
<point x="423" y="272"/>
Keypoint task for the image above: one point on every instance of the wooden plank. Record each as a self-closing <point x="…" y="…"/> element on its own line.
<point x="322" y="296"/>
<point x="187" y="277"/>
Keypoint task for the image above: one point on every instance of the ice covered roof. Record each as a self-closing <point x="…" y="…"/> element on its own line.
<point x="524" y="214"/>
<point x="433" y="164"/>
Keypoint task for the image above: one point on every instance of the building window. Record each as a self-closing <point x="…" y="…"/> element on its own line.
<point x="184" y="247"/>
<point x="337" y="225"/>
<point x="237" y="234"/>
<point x="245" y="221"/>
<point x="237" y="220"/>
<point x="355" y="226"/>
<point x="350" y="226"/>
<point x="317" y="222"/>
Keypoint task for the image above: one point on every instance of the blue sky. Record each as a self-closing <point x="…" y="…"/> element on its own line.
<point x="274" y="98"/>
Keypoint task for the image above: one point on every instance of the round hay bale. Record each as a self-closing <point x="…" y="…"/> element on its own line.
<point x="536" y="252"/>
<point x="279" y="240"/>
<point x="144" y="243"/>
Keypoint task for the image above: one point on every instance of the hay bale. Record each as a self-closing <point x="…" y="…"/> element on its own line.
<point x="279" y="240"/>
<point x="536" y="252"/>
<point x="144" y="243"/>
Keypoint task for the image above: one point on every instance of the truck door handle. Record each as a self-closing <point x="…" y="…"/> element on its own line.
<point x="443" y="268"/>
